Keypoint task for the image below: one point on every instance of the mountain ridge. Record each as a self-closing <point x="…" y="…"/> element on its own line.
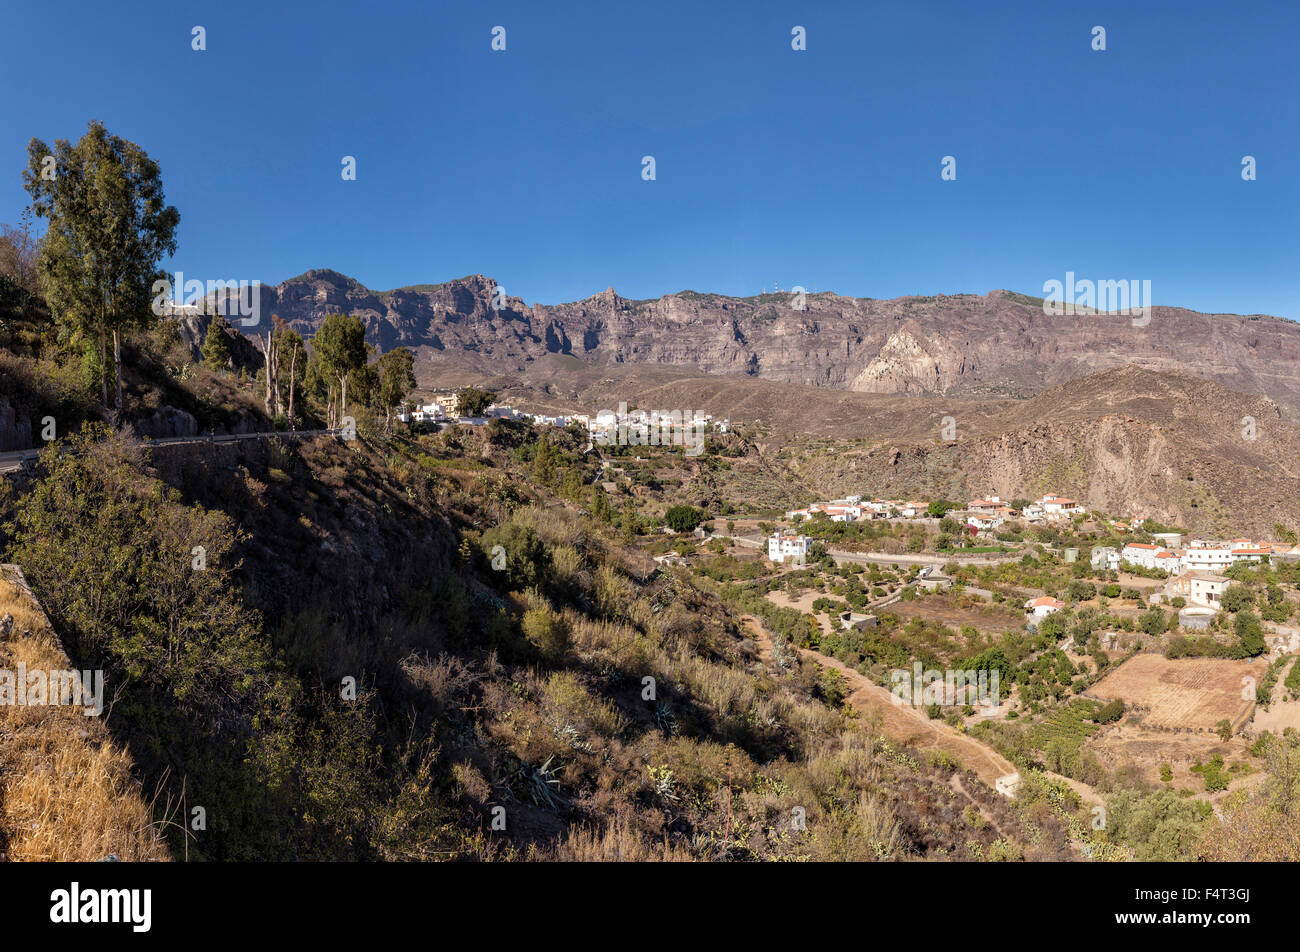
<point x="999" y="344"/>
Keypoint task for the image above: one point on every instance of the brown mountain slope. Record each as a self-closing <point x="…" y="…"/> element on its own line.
<point x="998" y="344"/>
<point x="1124" y="441"/>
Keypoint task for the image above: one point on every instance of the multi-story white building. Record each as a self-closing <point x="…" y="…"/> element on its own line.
<point x="1206" y="557"/>
<point x="788" y="547"/>
<point x="1243" y="550"/>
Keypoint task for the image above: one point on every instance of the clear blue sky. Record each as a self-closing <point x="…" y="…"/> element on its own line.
<point x="818" y="168"/>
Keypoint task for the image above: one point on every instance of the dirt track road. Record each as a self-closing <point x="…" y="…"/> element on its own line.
<point x="905" y="724"/>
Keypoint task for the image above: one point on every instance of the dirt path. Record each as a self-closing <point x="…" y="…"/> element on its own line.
<point x="907" y="725"/>
<point x="1281" y="713"/>
<point x="958" y="785"/>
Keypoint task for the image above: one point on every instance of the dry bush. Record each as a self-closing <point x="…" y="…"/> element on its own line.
<point x="446" y="678"/>
<point x="571" y="704"/>
<point x="615" y="593"/>
<point x="567" y="566"/>
<point x="863" y="831"/>
<point x="557" y="527"/>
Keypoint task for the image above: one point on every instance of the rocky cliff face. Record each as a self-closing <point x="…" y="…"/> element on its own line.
<point x="996" y="344"/>
<point x="193" y="328"/>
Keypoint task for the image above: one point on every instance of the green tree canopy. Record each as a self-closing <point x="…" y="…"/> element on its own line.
<point x="216" y="353"/>
<point x="396" y="379"/>
<point x="1236" y="598"/>
<point x="340" y="346"/>
<point x="109" y="226"/>
<point x="472" y="401"/>
<point x="522" y="557"/>
<point x="683" y="518"/>
<point x="292" y="355"/>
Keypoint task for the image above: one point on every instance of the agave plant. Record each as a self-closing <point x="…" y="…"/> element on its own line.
<point x="664" y="717"/>
<point x="570" y="735"/>
<point x="542" y="785"/>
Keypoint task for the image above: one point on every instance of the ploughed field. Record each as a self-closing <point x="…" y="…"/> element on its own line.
<point x="1193" y="693"/>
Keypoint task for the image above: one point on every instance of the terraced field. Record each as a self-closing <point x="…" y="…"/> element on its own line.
<point x="1193" y="693"/>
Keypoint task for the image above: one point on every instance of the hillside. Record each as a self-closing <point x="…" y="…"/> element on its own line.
<point x="1124" y="440"/>
<point x="997" y="344"/>
<point x="1127" y="440"/>
<point x="482" y="697"/>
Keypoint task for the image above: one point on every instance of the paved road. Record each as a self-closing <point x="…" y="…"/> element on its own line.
<point x="17" y="459"/>
<point x="885" y="558"/>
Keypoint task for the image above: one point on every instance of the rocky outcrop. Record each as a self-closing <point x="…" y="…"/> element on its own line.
<point x="15" y="428"/>
<point x="167" y="422"/>
<point x="912" y="363"/>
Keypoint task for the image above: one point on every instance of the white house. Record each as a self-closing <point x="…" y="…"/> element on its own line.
<point x="1034" y="513"/>
<point x="983" y="520"/>
<point x="1043" y="606"/>
<point x="434" y="412"/>
<point x="1199" y="588"/>
<point x="1167" y="561"/>
<point x="1105" y="557"/>
<point x="1147" y="555"/>
<point x="1243" y="550"/>
<point x="1060" y="506"/>
<point x="787" y="546"/>
<point x="844" y="513"/>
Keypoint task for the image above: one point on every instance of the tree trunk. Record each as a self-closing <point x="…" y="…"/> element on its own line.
<point x="117" y="369"/>
<point x="103" y="367"/>
<point x="268" y="356"/>
<point x="293" y="359"/>
<point x="275" y="375"/>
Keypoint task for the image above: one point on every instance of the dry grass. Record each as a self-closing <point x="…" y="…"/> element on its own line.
<point x="618" y="842"/>
<point x="66" y="790"/>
